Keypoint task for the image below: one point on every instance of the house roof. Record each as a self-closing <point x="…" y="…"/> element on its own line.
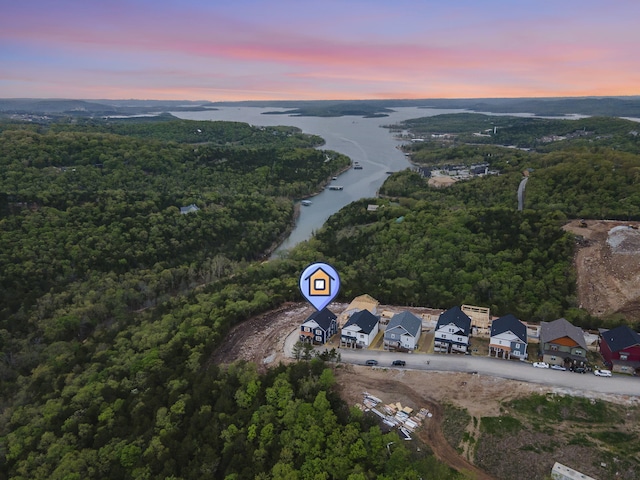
<point x="509" y="323"/>
<point x="406" y="320"/>
<point x="456" y="316"/>
<point x="323" y="318"/>
<point x="189" y="209"/>
<point x="620" y="338"/>
<point x="363" y="319"/>
<point x="550" y="331"/>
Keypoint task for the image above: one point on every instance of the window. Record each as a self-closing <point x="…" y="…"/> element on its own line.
<point x="318" y="338"/>
<point x="393" y="335"/>
<point x="553" y="348"/>
<point x="451" y="330"/>
<point x="624" y="356"/>
<point x="553" y="359"/>
<point x="579" y="352"/>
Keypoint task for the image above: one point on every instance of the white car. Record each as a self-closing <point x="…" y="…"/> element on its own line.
<point x="558" y="367"/>
<point x="540" y="365"/>
<point x="602" y="373"/>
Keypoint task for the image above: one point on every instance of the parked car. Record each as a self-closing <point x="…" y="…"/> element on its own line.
<point x="602" y="373"/>
<point x="558" y="367"/>
<point x="579" y="370"/>
<point x="371" y="363"/>
<point x="398" y="363"/>
<point x="540" y="365"/>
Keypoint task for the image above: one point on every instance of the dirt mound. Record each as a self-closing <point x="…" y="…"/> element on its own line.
<point x="607" y="264"/>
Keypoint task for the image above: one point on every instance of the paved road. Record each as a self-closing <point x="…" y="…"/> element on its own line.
<point x="521" y="187"/>
<point x="523" y="371"/>
<point x="617" y="385"/>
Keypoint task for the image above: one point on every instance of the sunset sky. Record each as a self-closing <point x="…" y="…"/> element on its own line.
<point x="327" y="49"/>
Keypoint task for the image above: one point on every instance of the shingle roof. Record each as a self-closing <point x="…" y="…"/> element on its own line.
<point x="406" y="320"/>
<point x="509" y="323"/>
<point x="363" y="319"/>
<point x="620" y="338"/>
<point x="456" y="316"/>
<point x="323" y="318"/>
<point x="559" y="328"/>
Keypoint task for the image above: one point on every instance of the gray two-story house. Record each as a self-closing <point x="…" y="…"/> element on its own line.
<point x="403" y="332"/>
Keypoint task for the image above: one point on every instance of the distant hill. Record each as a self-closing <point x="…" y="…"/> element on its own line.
<point x="54" y="106"/>
<point x="600" y="106"/>
<point x="593" y="106"/>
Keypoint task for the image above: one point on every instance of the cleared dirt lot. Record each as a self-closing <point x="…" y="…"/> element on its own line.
<point x="607" y="262"/>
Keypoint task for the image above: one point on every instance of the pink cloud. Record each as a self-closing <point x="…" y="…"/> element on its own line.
<point x="437" y="51"/>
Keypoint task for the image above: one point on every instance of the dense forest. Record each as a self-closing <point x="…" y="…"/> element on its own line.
<point x="112" y="301"/>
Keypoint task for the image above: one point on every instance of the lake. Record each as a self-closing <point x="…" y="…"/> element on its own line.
<point x="364" y="140"/>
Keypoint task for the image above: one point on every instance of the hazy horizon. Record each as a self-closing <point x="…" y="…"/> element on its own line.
<point x="294" y="100"/>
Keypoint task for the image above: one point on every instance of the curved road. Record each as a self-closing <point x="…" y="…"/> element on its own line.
<point x="521" y="188"/>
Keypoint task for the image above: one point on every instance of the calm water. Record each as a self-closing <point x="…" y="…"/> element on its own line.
<point x="361" y="139"/>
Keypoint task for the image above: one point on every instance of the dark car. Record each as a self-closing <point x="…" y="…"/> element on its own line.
<point x="371" y="362"/>
<point x="579" y="370"/>
<point x="398" y="363"/>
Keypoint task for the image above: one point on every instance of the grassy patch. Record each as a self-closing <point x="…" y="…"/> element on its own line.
<point x="500" y="426"/>
<point x="580" y="440"/>
<point x="614" y="436"/>
<point x="625" y="444"/>
<point x="455" y="424"/>
<point x="556" y="408"/>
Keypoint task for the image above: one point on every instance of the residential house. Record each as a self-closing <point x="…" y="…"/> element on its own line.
<point x="480" y="319"/>
<point x="562" y="343"/>
<point x="319" y="327"/>
<point x="620" y="349"/>
<point x="189" y="209"/>
<point x="508" y="338"/>
<point x="403" y="332"/>
<point x="452" y="331"/>
<point x="363" y="302"/>
<point x="360" y="330"/>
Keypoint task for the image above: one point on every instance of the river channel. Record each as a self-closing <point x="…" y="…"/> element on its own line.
<point x="364" y="140"/>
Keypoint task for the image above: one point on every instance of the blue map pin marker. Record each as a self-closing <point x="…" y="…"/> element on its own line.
<point x="319" y="284"/>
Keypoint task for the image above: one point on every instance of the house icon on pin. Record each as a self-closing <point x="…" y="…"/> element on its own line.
<point x="320" y="283"/>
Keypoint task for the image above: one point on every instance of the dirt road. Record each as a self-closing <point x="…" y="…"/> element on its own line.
<point x="382" y="384"/>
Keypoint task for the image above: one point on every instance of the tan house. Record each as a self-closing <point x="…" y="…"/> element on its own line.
<point x="363" y="302"/>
